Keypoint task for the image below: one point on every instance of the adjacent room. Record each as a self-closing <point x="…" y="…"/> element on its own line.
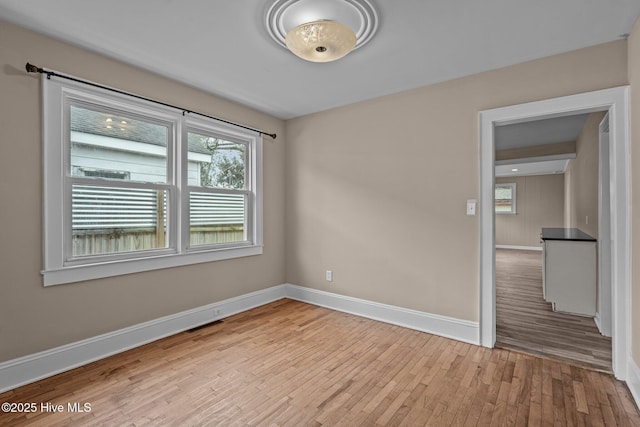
<point x="548" y="182"/>
<point x="284" y="212"/>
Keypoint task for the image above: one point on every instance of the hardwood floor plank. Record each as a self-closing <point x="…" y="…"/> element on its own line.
<point x="581" y="398"/>
<point x="292" y="364"/>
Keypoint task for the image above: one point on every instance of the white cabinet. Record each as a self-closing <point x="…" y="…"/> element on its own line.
<point x="569" y="274"/>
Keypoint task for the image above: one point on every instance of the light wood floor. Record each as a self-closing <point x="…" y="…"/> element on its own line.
<point x="526" y="322"/>
<point x="293" y="364"/>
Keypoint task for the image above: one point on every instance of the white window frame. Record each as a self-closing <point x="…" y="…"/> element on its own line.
<point x="59" y="266"/>
<point x="512" y="185"/>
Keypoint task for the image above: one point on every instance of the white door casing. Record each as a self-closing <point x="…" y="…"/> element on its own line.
<point x="616" y="102"/>
<point x="603" y="317"/>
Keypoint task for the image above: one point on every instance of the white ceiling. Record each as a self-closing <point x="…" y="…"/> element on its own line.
<point x="539" y="132"/>
<point x="222" y="46"/>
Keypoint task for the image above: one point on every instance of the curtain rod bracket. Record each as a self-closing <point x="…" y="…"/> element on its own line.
<point x="35" y="69"/>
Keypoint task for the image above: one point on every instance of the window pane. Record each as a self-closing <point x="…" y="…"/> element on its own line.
<point x="504" y="193"/>
<point x="107" y="145"/>
<point x="108" y="220"/>
<point x="504" y="199"/>
<point x="216" y="163"/>
<point x="216" y="218"/>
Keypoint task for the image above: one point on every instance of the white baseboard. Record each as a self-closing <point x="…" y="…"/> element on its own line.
<point x="633" y="380"/>
<point x="520" y="248"/>
<point x="461" y="330"/>
<point x="27" y="369"/>
<point x="596" y="320"/>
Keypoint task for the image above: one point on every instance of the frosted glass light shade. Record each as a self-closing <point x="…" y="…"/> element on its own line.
<point x="321" y="41"/>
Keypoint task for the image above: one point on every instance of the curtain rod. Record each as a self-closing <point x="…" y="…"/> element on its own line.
<point x="34" y="69"/>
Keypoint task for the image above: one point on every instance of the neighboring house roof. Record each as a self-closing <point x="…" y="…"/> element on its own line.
<point x="96" y="123"/>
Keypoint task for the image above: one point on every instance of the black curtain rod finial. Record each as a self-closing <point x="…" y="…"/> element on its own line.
<point x="32" y="68"/>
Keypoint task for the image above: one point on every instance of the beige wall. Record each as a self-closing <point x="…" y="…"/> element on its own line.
<point x="376" y="191"/>
<point x="581" y="184"/>
<point x="34" y="318"/>
<point x="634" y="80"/>
<point x="539" y="203"/>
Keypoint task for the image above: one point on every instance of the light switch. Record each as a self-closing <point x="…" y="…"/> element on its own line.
<point x="471" y="207"/>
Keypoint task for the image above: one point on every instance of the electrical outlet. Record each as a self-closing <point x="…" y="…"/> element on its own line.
<point x="329" y="276"/>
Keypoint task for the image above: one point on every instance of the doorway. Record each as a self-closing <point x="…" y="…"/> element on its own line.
<point x="546" y="171"/>
<point x="615" y="101"/>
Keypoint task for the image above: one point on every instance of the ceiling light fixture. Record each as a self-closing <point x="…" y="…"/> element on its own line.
<point x="321" y="30"/>
<point x="321" y="41"/>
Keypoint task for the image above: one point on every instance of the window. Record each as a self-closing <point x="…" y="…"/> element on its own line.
<point x="505" y="198"/>
<point x="133" y="186"/>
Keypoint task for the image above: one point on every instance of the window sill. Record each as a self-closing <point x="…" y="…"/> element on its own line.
<point x="117" y="268"/>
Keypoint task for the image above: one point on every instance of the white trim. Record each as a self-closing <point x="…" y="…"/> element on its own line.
<point x="605" y="305"/>
<point x="616" y="100"/>
<point x="596" y="320"/>
<point x="449" y="327"/>
<point x="520" y="248"/>
<point x="633" y="381"/>
<point x="34" y="367"/>
<point x="85" y="272"/>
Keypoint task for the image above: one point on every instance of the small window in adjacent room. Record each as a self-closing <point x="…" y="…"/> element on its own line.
<point x="506" y="198"/>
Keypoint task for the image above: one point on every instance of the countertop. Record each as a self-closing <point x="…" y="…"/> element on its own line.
<point x="565" y="234"/>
